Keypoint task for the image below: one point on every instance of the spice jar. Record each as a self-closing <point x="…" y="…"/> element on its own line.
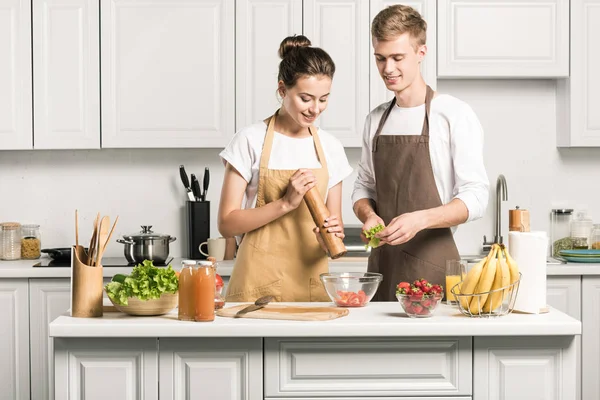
<point x="204" y="279"/>
<point x="31" y="242"/>
<point x="595" y="237"/>
<point x="581" y="228"/>
<point x="561" y="230"/>
<point x="11" y="240"/>
<point x="187" y="294"/>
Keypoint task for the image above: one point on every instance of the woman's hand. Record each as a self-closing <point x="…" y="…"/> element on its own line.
<point x="332" y="225"/>
<point x="301" y="182"/>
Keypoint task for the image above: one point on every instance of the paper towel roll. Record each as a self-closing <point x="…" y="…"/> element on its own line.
<point x="529" y="250"/>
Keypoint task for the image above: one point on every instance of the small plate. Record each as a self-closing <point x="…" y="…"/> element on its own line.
<point x="580" y="253"/>
<point x="591" y="260"/>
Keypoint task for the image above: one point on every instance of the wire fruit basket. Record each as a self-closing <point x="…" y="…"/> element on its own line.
<point x="502" y="301"/>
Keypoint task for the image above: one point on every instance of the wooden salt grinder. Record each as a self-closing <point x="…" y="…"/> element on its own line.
<point x="318" y="211"/>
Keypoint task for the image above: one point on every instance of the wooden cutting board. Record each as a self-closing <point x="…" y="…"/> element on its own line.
<point x="297" y="313"/>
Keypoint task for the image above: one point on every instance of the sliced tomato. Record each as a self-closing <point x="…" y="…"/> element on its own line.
<point x="351" y="299"/>
<point x="218" y="281"/>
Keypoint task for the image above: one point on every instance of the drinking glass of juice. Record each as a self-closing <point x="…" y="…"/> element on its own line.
<point x="455" y="273"/>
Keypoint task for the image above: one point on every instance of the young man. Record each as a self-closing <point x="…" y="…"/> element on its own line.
<point x="421" y="171"/>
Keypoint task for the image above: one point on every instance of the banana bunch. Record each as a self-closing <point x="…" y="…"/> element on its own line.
<point x="497" y="270"/>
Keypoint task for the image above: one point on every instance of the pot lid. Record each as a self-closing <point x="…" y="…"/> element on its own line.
<point x="146" y="233"/>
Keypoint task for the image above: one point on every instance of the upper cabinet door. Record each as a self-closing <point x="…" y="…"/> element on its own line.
<point x="428" y="10"/>
<point x="578" y="98"/>
<point x="260" y="27"/>
<point x="167" y="73"/>
<point x="341" y="27"/>
<point x="497" y="38"/>
<point x="15" y="75"/>
<point x="66" y="67"/>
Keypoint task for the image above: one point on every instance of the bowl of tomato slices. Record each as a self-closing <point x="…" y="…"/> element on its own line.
<point x="351" y="289"/>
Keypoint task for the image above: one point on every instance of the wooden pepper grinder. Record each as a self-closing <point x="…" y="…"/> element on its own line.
<point x="518" y="220"/>
<point x="319" y="212"/>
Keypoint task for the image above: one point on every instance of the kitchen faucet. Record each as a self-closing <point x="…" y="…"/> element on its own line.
<point x="501" y="194"/>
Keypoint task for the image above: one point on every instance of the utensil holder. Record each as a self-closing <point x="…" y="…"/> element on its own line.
<point x="86" y="286"/>
<point x="319" y="212"/>
<point x="197" y="227"/>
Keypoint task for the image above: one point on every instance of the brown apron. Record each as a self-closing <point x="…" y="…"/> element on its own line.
<point x="404" y="182"/>
<point x="282" y="258"/>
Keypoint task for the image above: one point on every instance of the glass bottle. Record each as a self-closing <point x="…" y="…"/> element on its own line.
<point x="187" y="299"/>
<point x="561" y="230"/>
<point x="581" y="228"/>
<point x="205" y="291"/>
<point x="31" y="242"/>
<point x="11" y="240"/>
<point x="595" y="237"/>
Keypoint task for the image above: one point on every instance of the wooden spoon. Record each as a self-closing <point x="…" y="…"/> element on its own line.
<point x="76" y="228"/>
<point x="92" y="247"/>
<point x="102" y="236"/>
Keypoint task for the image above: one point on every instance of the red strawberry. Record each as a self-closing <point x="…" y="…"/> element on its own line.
<point x="418" y="284"/>
<point x="416" y="308"/>
<point x="416" y="296"/>
<point x="426" y="289"/>
<point x="424" y="282"/>
<point x="424" y="311"/>
<point x="427" y="302"/>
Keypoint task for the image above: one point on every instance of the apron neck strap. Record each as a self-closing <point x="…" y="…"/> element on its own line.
<point x="424" y="132"/>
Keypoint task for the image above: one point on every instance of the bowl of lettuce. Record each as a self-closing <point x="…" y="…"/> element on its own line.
<point x="148" y="290"/>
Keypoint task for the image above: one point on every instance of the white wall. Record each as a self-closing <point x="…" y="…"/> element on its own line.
<point x="143" y="186"/>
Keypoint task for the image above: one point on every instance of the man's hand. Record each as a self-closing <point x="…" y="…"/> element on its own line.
<point x="402" y="228"/>
<point x="370" y="222"/>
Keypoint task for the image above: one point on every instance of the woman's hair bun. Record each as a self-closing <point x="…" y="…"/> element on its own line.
<point x="291" y="43"/>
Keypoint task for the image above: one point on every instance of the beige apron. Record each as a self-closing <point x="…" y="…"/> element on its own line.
<point x="405" y="183"/>
<point x="282" y="258"/>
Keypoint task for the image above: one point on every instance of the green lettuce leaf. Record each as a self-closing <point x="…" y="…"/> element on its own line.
<point x="370" y="234"/>
<point x="145" y="282"/>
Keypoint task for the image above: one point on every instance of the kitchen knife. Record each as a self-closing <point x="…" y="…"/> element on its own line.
<point x="186" y="183"/>
<point x="205" y="183"/>
<point x="196" y="188"/>
<point x="258" y="304"/>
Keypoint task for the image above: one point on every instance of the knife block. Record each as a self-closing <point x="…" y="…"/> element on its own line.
<point x="197" y="218"/>
<point x="318" y="211"/>
<point x="86" y="286"/>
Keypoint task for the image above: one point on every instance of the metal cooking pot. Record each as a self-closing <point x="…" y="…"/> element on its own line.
<point x="146" y="245"/>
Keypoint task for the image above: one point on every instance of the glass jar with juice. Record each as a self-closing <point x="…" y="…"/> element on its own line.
<point x="455" y="273"/>
<point x="187" y="300"/>
<point x="204" y="280"/>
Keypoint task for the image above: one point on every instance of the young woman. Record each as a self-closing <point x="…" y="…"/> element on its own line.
<point x="269" y="167"/>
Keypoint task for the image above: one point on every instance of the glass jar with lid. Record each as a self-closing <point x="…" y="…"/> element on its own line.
<point x="187" y="292"/>
<point x="581" y="228"/>
<point x="11" y="240"/>
<point x="561" y="230"/>
<point x="595" y="237"/>
<point x="31" y="242"/>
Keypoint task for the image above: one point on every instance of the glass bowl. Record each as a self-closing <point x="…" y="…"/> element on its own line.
<point x="421" y="306"/>
<point x="351" y="289"/>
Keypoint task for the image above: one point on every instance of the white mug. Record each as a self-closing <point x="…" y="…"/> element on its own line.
<point x="215" y="248"/>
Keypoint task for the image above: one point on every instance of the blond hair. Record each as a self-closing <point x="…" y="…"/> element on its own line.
<point x="395" y="20"/>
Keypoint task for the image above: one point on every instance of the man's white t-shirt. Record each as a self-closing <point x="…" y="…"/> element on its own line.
<point x="245" y="149"/>
<point x="455" y="150"/>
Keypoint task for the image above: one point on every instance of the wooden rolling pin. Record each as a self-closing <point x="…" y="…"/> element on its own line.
<point x="319" y="212"/>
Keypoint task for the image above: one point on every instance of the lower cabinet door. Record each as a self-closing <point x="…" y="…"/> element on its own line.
<point x="532" y="368"/>
<point x="424" y="367"/>
<point x="371" y="398"/>
<point x="101" y="369"/>
<point x="211" y="368"/>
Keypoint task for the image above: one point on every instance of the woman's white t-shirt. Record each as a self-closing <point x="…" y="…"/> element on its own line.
<point x="244" y="150"/>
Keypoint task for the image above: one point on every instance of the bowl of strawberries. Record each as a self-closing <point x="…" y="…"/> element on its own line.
<point x="420" y="298"/>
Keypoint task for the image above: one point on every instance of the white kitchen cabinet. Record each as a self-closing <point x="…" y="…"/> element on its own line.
<point x="66" y="74"/>
<point x="364" y="367"/>
<point x="168" y="73"/>
<point x="428" y="10"/>
<point x="590" y="338"/>
<point x="501" y="39"/>
<point x="14" y="346"/>
<point x="48" y="299"/>
<point x="260" y="27"/>
<point x="99" y="369"/>
<point x="533" y="368"/>
<point x="15" y="75"/>
<point x="578" y="98"/>
<point x="214" y="368"/>
<point x="341" y="27"/>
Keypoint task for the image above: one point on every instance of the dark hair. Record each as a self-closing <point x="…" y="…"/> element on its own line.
<point x="299" y="59"/>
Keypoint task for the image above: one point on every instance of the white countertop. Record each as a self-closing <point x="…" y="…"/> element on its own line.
<point x="26" y="269"/>
<point x="375" y="320"/>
